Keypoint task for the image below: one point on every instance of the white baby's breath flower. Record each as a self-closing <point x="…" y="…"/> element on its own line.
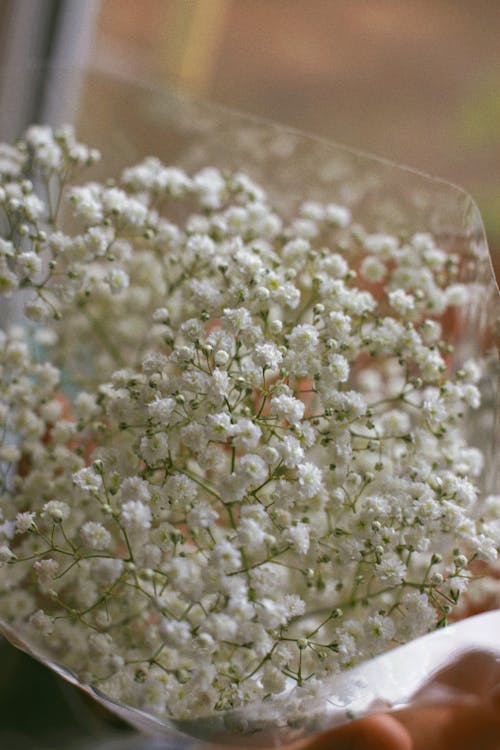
<point x="383" y="245"/>
<point x="303" y="339"/>
<point x="238" y="319"/>
<point x="290" y="451"/>
<point x="247" y="418"/>
<point x="135" y="488"/>
<point x="46" y="570"/>
<point x="160" y="409"/>
<point x="6" y="554"/>
<point x="288" y="407"/>
<point x="471" y="371"/>
<point x="42" y="622"/>
<point x="472" y="396"/>
<point x="9" y="281"/>
<point x="402" y="302"/>
<point x="457" y="294"/>
<point x="268" y="355"/>
<point x="25" y="522"/>
<point x="225" y="556"/>
<point x="309" y="478"/>
<point x="202" y="514"/>
<point x="391" y="570"/>
<point x="220" y="426"/>
<point x="252" y="469"/>
<point x="246" y="434"/>
<point x="299" y="537"/>
<point x="339" y="216"/>
<point x="395" y="422"/>
<point x="87" y="479"/>
<point x="430" y="331"/>
<point x="154" y="448"/>
<point x="136" y="515"/>
<point x="106" y="570"/>
<point x="87" y="204"/>
<point x="295" y="251"/>
<point x="372" y="269"/>
<point x="86" y="405"/>
<point x="172" y="180"/>
<point x="273" y="679"/>
<point x="29" y="265"/>
<point x="379" y="629"/>
<point x="9" y="453"/>
<point x="95" y="535"/>
<point x="338" y="367"/>
<point x="118" y="280"/>
<point x="210" y="186"/>
<point x="56" y="510"/>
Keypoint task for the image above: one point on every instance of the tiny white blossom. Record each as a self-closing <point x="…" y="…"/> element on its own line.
<point x="29" y="265"/>
<point x="95" y="535"/>
<point x="339" y="216"/>
<point x="42" y="622"/>
<point x="457" y="294"/>
<point x="338" y="367"/>
<point x="303" y="339"/>
<point x="402" y="302"/>
<point x="372" y="269"/>
<point x="391" y="570"/>
<point x="383" y="245"/>
<point x="160" y="409"/>
<point x="471" y="371"/>
<point x="268" y="355"/>
<point x="25" y="522"/>
<point x="154" y="448"/>
<point x="135" y="488"/>
<point x="299" y="537"/>
<point x="309" y="478"/>
<point x="56" y="510"/>
<point x="202" y="514"/>
<point x="273" y="679"/>
<point x="291" y="451"/>
<point x="136" y="515"/>
<point x="379" y="629"/>
<point x="288" y="408"/>
<point x="246" y="434"/>
<point x="87" y="479"/>
<point x="225" y="556"/>
<point x="118" y="280"/>
<point x="6" y="554"/>
<point x="220" y="426"/>
<point x="46" y="570"/>
<point x="252" y="469"/>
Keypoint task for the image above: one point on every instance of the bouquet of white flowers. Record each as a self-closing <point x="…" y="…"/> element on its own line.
<point x="234" y="451"/>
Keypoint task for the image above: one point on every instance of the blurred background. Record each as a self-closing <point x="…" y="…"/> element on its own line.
<point x="415" y="81"/>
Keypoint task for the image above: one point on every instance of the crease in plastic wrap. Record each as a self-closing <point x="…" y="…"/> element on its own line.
<point x="127" y="122"/>
<point x="417" y="675"/>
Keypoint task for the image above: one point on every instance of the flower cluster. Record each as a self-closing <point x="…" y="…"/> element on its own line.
<point x="232" y="451"/>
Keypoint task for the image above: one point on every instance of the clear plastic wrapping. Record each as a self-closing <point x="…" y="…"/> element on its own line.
<point x="127" y="121"/>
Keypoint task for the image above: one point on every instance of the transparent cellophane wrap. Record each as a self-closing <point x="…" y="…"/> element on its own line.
<point x="127" y="122"/>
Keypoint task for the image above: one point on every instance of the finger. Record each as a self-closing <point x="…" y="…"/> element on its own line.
<point x="472" y="727"/>
<point x="472" y="673"/>
<point x="425" y="727"/>
<point x="464" y="727"/>
<point x="379" y="732"/>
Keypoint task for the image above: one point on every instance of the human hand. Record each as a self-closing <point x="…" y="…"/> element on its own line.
<point x="470" y="687"/>
<point x="458" y="709"/>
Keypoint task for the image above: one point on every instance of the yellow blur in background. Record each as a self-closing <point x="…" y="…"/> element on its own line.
<point x="416" y="81"/>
